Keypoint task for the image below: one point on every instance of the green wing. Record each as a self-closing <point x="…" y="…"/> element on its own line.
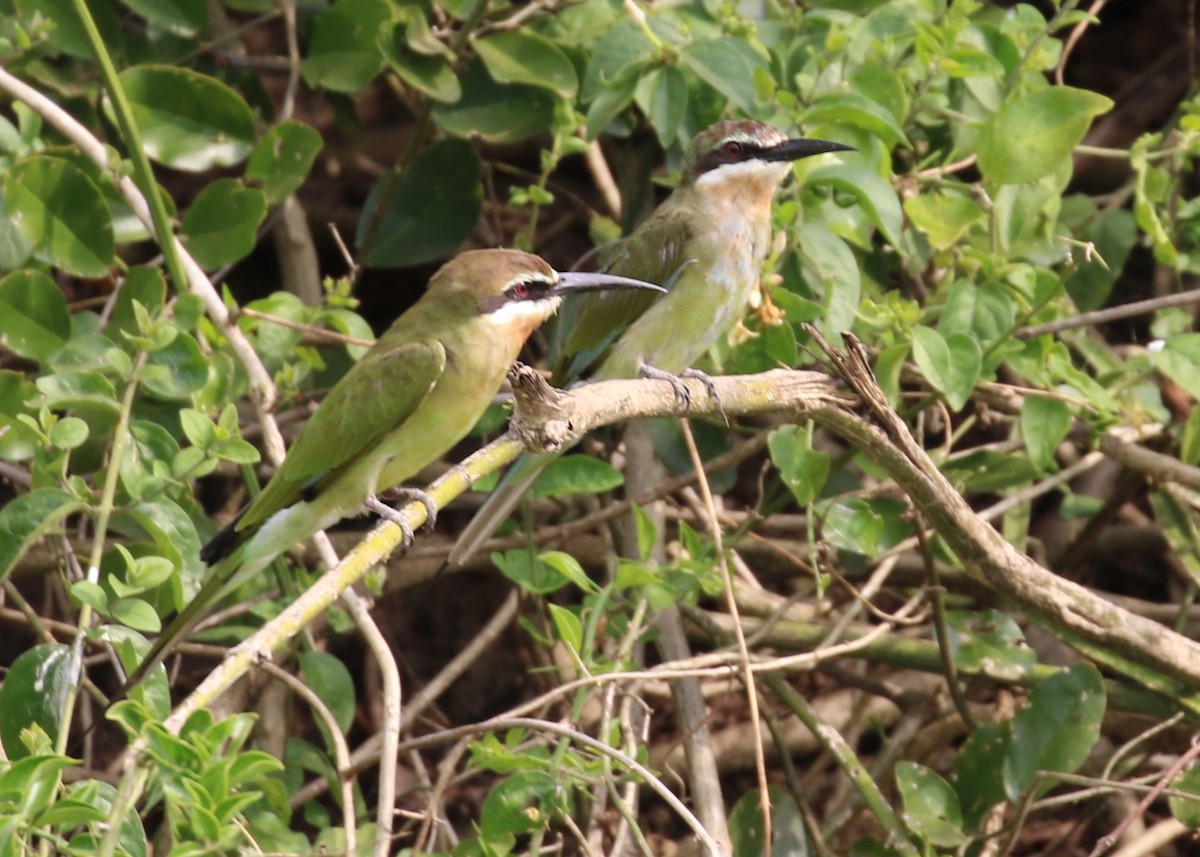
<point x="379" y="393"/>
<point x="655" y="252"/>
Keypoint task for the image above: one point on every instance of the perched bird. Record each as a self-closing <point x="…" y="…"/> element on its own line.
<point x="417" y="392"/>
<point x="706" y="244"/>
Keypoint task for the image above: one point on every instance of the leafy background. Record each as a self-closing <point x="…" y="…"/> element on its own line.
<point x="1016" y="165"/>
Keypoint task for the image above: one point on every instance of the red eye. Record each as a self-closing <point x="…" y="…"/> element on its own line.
<point x="732" y="149"/>
<point x="521" y="290"/>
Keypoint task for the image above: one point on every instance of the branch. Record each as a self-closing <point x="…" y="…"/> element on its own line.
<point x="547" y="419"/>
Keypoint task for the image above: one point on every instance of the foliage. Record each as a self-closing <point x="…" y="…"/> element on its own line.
<point x="946" y="242"/>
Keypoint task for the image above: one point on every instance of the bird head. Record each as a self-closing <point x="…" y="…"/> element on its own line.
<point x="742" y="152"/>
<point x="511" y="288"/>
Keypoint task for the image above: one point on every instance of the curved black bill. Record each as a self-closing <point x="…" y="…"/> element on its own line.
<point x="576" y="281"/>
<point x="794" y="150"/>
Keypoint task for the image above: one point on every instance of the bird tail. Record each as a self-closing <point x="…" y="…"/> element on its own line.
<point x="224" y="542"/>
<point x="183" y="624"/>
<point x="498" y="507"/>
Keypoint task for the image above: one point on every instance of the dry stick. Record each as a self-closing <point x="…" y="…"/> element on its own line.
<point x="760" y="761"/>
<point x="1110" y="314"/>
<point x="984" y="552"/>
<point x="360" y="614"/>
<point x="368" y="753"/>
<point x="1106" y="842"/>
<point x="341" y="752"/>
<point x="1073" y="39"/>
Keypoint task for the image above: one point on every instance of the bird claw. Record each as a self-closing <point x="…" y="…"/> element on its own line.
<point x="402" y="496"/>
<point x="405" y="496"/>
<point x="683" y="396"/>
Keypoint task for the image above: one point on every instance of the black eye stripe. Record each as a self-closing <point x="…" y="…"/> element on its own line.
<point x="529" y="290"/>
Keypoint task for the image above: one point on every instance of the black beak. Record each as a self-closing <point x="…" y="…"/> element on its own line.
<point x="588" y="282"/>
<point x="794" y="150"/>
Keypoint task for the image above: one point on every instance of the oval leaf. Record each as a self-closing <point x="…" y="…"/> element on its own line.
<point x="500" y="113"/>
<point x="1032" y="134"/>
<point x="518" y="56"/>
<point x="34" y="692"/>
<point x="577" y="474"/>
<point x="283" y="158"/>
<point x="432" y="209"/>
<point x="189" y="121"/>
<point x="27" y="518"/>
<point x="34" y="319"/>
<point x="330" y="680"/>
<point x="63" y="213"/>
<point x="1056" y="730"/>
<point x="343" y="54"/>
<point x="221" y="224"/>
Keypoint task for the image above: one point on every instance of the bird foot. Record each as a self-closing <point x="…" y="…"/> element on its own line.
<point x="405" y="495"/>
<point x="402" y="496"/>
<point x="682" y="395"/>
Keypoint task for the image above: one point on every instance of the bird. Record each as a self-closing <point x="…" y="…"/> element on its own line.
<point x="705" y="243"/>
<point x="412" y="396"/>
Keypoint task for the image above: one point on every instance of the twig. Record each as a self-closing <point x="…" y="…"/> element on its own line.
<point x="760" y="761"/>
<point x="341" y="751"/>
<point x="1100" y="316"/>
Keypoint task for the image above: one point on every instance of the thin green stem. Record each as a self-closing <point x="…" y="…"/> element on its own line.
<point x="142" y="172"/>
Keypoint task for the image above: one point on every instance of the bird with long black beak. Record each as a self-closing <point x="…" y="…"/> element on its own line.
<point x="706" y="244"/>
<point x="416" y="393"/>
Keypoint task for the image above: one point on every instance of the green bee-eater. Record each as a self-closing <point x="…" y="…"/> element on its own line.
<point x="417" y="392"/>
<point x="706" y="244"/>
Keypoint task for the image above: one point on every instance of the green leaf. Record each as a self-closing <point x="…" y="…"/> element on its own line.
<point x="188" y="121"/>
<point x="876" y="196"/>
<point x="568" y="567"/>
<point x="789" y="838"/>
<point x="1056" y="729"/>
<point x="832" y="275"/>
<point x="1179" y="360"/>
<point x="432" y="209"/>
<point x="329" y="679"/>
<point x="342" y="54"/>
<point x="283" y="159"/>
<point x="529" y="572"/>
<point x="728" y="66"/>
<point x="987" y="642"/>
<point x="577" y="474"/>
<point x="570" y="629"/>
<point x="521" y="56"/>
<point x="1033" y="133"/>
<point x="1044" y="423"/>
<point x="853" y="525"/>
<point x="68" y="35"/>
<point x="35" y="692"/>
<point x="221" y="224"/>
<point x="68" y="433"/>
<point x="497" y="112"/>
<point x="433" y="75"/>
<point x="63" y="213"/>
<point x="802" y="468"/>
<point x="951" y="364"/>
<point x="15" y="246"/>
<point x="931" y="807"/>
<point x="988" y="472"/>
<point x="663" y="96"/>
<point x="137" y="614"/>
<point x="33" y="782"/>
<point x="856" y="111"/>
<point x="979" y="770"/>
<point x="184" y="18"/>
<point x="34" y="319"/>
<point x="1185" y="810"/>
<point x="28" y="517"/>
<point x="943" y="217"/>
<point x="519" y="805"/>
<point x="176" y="371"/>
